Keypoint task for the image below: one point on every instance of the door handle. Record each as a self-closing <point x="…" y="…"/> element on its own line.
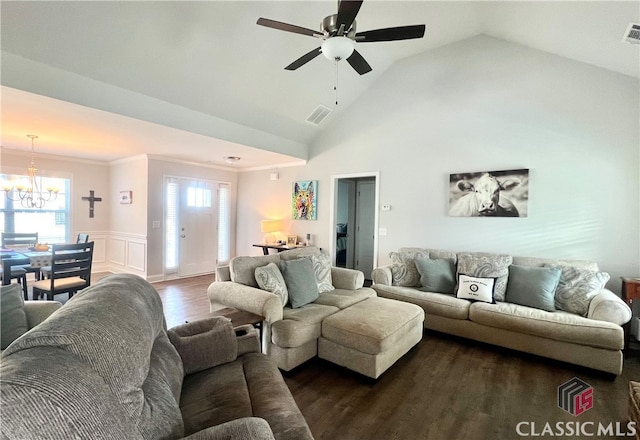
<point x="182" y="236"/>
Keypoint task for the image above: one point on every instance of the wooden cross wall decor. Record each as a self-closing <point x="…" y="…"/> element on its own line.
<point x="92" y="199"/>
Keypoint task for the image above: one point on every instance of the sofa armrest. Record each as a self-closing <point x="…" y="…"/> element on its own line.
<point x="382" y="275"/>
<point x="607" y="306"/>
<point x="246" y="298"/>
<point x="248" y="339"/>
<point x="223" y="273"/>
<point x="348" y="279"/>
<point x="252" y="428"/>
<point x="204" y="343"/>
<point x="38" y="311"/>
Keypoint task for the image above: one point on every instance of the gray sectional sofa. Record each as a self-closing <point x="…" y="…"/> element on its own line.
<point x="576" y="320"/>
<point x="345" y="323"/>
<point x="104" y="366"/>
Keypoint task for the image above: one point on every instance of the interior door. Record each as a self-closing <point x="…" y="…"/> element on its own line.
<point x="197" y="237"/>
<point x="365" y="226"/>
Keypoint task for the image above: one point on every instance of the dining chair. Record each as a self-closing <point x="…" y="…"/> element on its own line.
<point x="23" y="240"/>
<point x="45" y="271"/>
<point x="20" y="274"/>
<point x="70" y="270"/>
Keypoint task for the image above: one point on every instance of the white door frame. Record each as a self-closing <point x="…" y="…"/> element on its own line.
<point x="333" y="208"/>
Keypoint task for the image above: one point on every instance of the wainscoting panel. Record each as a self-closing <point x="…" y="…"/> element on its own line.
<point x="128" y="253"/>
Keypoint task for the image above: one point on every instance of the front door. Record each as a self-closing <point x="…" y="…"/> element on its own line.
<point x="191" y="236"/>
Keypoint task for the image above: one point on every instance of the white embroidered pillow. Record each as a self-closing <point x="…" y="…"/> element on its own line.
<point x="270" y="278"/>
<point x="479" y="264"/>
<point x="476" y="288"/>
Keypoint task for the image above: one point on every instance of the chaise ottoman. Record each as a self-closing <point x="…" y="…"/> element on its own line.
<point x="372" y="335"/>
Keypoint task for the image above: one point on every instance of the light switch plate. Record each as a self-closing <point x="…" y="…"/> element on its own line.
<point x="386" y="207"/>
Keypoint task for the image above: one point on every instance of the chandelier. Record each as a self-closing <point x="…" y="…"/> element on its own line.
<point x="29" y="192"/>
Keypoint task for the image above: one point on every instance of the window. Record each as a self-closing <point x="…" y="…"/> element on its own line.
<point x="171" y="227"/>
<point x="224" y="227"/>
<point x="51" y="222"/>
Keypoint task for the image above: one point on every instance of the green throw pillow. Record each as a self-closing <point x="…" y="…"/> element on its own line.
<point x="437" y="275"/>
<point x="13" y="320"/>
<point x="533" y="286"/>
<point x="300" y="279"/>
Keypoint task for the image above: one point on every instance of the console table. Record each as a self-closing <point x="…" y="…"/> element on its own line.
<point x="278" y="247"/>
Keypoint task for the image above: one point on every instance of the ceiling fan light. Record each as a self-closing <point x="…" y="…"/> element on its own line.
<point x="338" y="48"/>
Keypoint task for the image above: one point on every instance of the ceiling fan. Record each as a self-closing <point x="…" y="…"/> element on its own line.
<point x="339" y="36"/>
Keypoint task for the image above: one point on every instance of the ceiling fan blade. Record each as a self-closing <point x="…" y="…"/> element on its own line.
<point x="391" y="34"/>
<point x="358" y="63"/>
<point x="304" y="59"/>
<point x="287" y="27"/>
<point x="347" y="11"/>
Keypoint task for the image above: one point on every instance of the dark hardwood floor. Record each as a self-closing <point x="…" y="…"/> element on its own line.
<point x="444" y="388"/>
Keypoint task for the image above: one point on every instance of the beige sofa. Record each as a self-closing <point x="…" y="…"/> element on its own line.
<point x="104" y="366"/>
<point x="343" y="325"/>
<point x="594" y="340"/>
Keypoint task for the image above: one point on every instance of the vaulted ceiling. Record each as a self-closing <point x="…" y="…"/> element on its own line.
<point x="198" y="81"/>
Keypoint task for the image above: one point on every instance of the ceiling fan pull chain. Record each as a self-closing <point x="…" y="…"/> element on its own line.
<point x="335" y="84"/>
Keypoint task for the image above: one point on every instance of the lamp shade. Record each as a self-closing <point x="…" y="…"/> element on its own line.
<point x="270" y="226"/>
<point x="337" y="48"/>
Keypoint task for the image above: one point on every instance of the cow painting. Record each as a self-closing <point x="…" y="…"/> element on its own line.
<point x="490" y="195"/>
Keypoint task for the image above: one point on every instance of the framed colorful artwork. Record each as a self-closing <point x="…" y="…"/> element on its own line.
<point x="304" y="200"/>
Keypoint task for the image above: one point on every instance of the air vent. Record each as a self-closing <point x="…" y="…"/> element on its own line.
<point x="632" y="34"/>
<point x="318" y="115"/>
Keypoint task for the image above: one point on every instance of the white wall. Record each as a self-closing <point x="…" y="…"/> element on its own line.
<point x="128" y="223"/>
<point x="482" y="104"/>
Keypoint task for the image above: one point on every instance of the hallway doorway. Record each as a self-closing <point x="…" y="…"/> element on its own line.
<point x="354" y="221"/>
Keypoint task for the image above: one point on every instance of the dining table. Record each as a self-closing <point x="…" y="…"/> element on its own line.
<point x="11" y="257"/>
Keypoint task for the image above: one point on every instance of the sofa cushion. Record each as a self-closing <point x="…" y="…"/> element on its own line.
<point x="432" y="253"/>
<point x="404" y="268"/>
<point x="559" y="325"/>
<point x="300" y="326"/>
<point x="476" y="288"/>
<point x="577" y="287"/>
<point x="243" y="268"/>
<point x="486" y="265"/>
<point x="436" y="275"/>
<point x="541" y="262"/>
<point x="322" y="270"/>
<point x="533" y="286"/>
<point x="13" y="319"/>
<point x="270" y="278"/>
<point x="211" y="397"/>
<point x="342" y="298"/>
<point x="51" y="393"/>
<point x="432" y="303"/>
<point x="301" y="281"/>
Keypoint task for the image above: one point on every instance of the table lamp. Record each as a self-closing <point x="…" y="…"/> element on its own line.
<point x="270" y="226"/>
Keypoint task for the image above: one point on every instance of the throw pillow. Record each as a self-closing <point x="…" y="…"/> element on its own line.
<point x="270" y="279"/>
<point x="533" y="286"/>
<point x="13" y="319"/>
<point x="437" y="275"/>
<point x="577" y="287"/>
<point x="476" y="288"/>
<point x="322" y="270"/>
<point x="301" y="281"/>
<point x="403" y="268"/>
<point x="488" y="266"/>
